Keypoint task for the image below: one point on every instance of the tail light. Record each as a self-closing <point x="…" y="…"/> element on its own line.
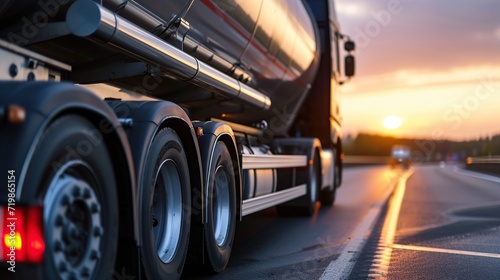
<point x="21" y="230"/>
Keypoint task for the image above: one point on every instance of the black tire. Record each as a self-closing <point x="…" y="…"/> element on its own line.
<point x="311" y="176"/>
<point x="313" y="186"/>
<point x="165" y="211"/>
<point x="338" y="171"/>
<point x="74" y="170"/>
<point x="327" y="196"/>
<point x="221" y="209"/>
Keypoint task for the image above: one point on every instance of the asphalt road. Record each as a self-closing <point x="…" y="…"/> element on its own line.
<point x="437" y="224"/>
<point x="448" y="227"/>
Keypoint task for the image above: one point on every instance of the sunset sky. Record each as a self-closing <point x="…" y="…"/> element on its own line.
<point x="433" y="64"/>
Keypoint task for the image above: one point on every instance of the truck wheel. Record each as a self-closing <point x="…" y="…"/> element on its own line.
<point x="338" y="170"/>
<point x="166" y="207"/>
<point x="80" y="214"/>
<point x="221" y="208"/>
<point x="305" y="205"/>
<point x="327" y="196"/>
<point x="314" y="179"/>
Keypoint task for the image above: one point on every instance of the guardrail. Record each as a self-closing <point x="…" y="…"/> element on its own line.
<point x="489" y="164"/>
<point x="485" y="160"/>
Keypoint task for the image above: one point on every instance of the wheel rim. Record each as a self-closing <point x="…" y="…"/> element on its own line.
<point x="334" y="171"/>
<point x="166" y="211"/>
<point x="221" y="206"/>
<point x="72" y="218"/>
<point x="314" y="182"/>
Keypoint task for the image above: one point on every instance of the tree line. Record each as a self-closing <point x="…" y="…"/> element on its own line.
<point x="422" y="149"/>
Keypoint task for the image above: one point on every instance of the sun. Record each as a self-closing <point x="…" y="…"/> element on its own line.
<point x="392" y="122"/>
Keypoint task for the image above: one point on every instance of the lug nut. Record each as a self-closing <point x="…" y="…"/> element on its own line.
<point x="77" y="191"/>
<point x="63" y="267"/>
<point x="65" y="200"/>
<point x="95" y="255"/>
<point x="59" y="221"/>
<point x="94" y="208"/>
<point x="97" y="231"/>
<point x="58" y="246"/>
<point x="86" y="193"/>
<point x="85" y="272"/>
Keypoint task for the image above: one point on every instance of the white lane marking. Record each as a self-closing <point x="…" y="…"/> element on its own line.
<point x="476" y="175"/>
<point x="446" y="251"/>
<point x="341" y="267"/>
<point x="390" y="225"/>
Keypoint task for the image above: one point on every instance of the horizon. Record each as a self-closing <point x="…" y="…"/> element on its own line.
<point x="435" y="66"/>
<point x="353" y="136"/>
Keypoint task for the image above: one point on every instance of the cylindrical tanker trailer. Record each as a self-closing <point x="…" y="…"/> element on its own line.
<point x="136" y="133"/>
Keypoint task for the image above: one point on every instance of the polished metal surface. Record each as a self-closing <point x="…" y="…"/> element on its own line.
<point x="259" y="203"/>
<point x="221" y="198"/>
<point x="272" y="161"/>
<point x="270" y="47"/>
<point x="167" y="211"/>
<point x="85" y="18"/>
<point x="137" y="14"/>
<point x="238" y="128"/>
<point x="257" y="182"/>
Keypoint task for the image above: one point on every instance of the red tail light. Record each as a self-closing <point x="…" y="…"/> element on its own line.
<point x="21" y="231"/>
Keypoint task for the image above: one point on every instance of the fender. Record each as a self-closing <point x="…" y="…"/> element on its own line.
<point x="297" y="146"/>
<point x="148" y="118"/>
<point x="213" y="132"/>
<point x="43" y="103"/>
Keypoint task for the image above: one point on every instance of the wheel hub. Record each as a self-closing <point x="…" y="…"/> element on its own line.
<point x="166" y="211"/>
<point x="73" y="226"/>
<point x="221" y="205"/>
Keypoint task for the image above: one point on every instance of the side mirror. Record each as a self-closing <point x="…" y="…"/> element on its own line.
<point x="349" y="64"/>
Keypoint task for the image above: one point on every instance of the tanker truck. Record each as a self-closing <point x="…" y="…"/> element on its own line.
<point x="134" y="135"/>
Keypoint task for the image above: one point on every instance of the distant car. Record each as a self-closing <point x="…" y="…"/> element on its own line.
<point x="400" y="155"/>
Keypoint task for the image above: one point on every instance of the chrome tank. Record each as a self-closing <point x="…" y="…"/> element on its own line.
<point x="274" y="41"/>
<point x="270" y="45"/>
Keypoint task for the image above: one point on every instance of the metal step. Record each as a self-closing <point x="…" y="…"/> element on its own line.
<point x="255" y="204"/>
<point x="273" y="161"/>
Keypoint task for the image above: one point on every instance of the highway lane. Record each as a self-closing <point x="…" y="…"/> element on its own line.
<point x="269" y="246"/>
<point x="448" y="227"/>
<point x="436" y="224"/>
